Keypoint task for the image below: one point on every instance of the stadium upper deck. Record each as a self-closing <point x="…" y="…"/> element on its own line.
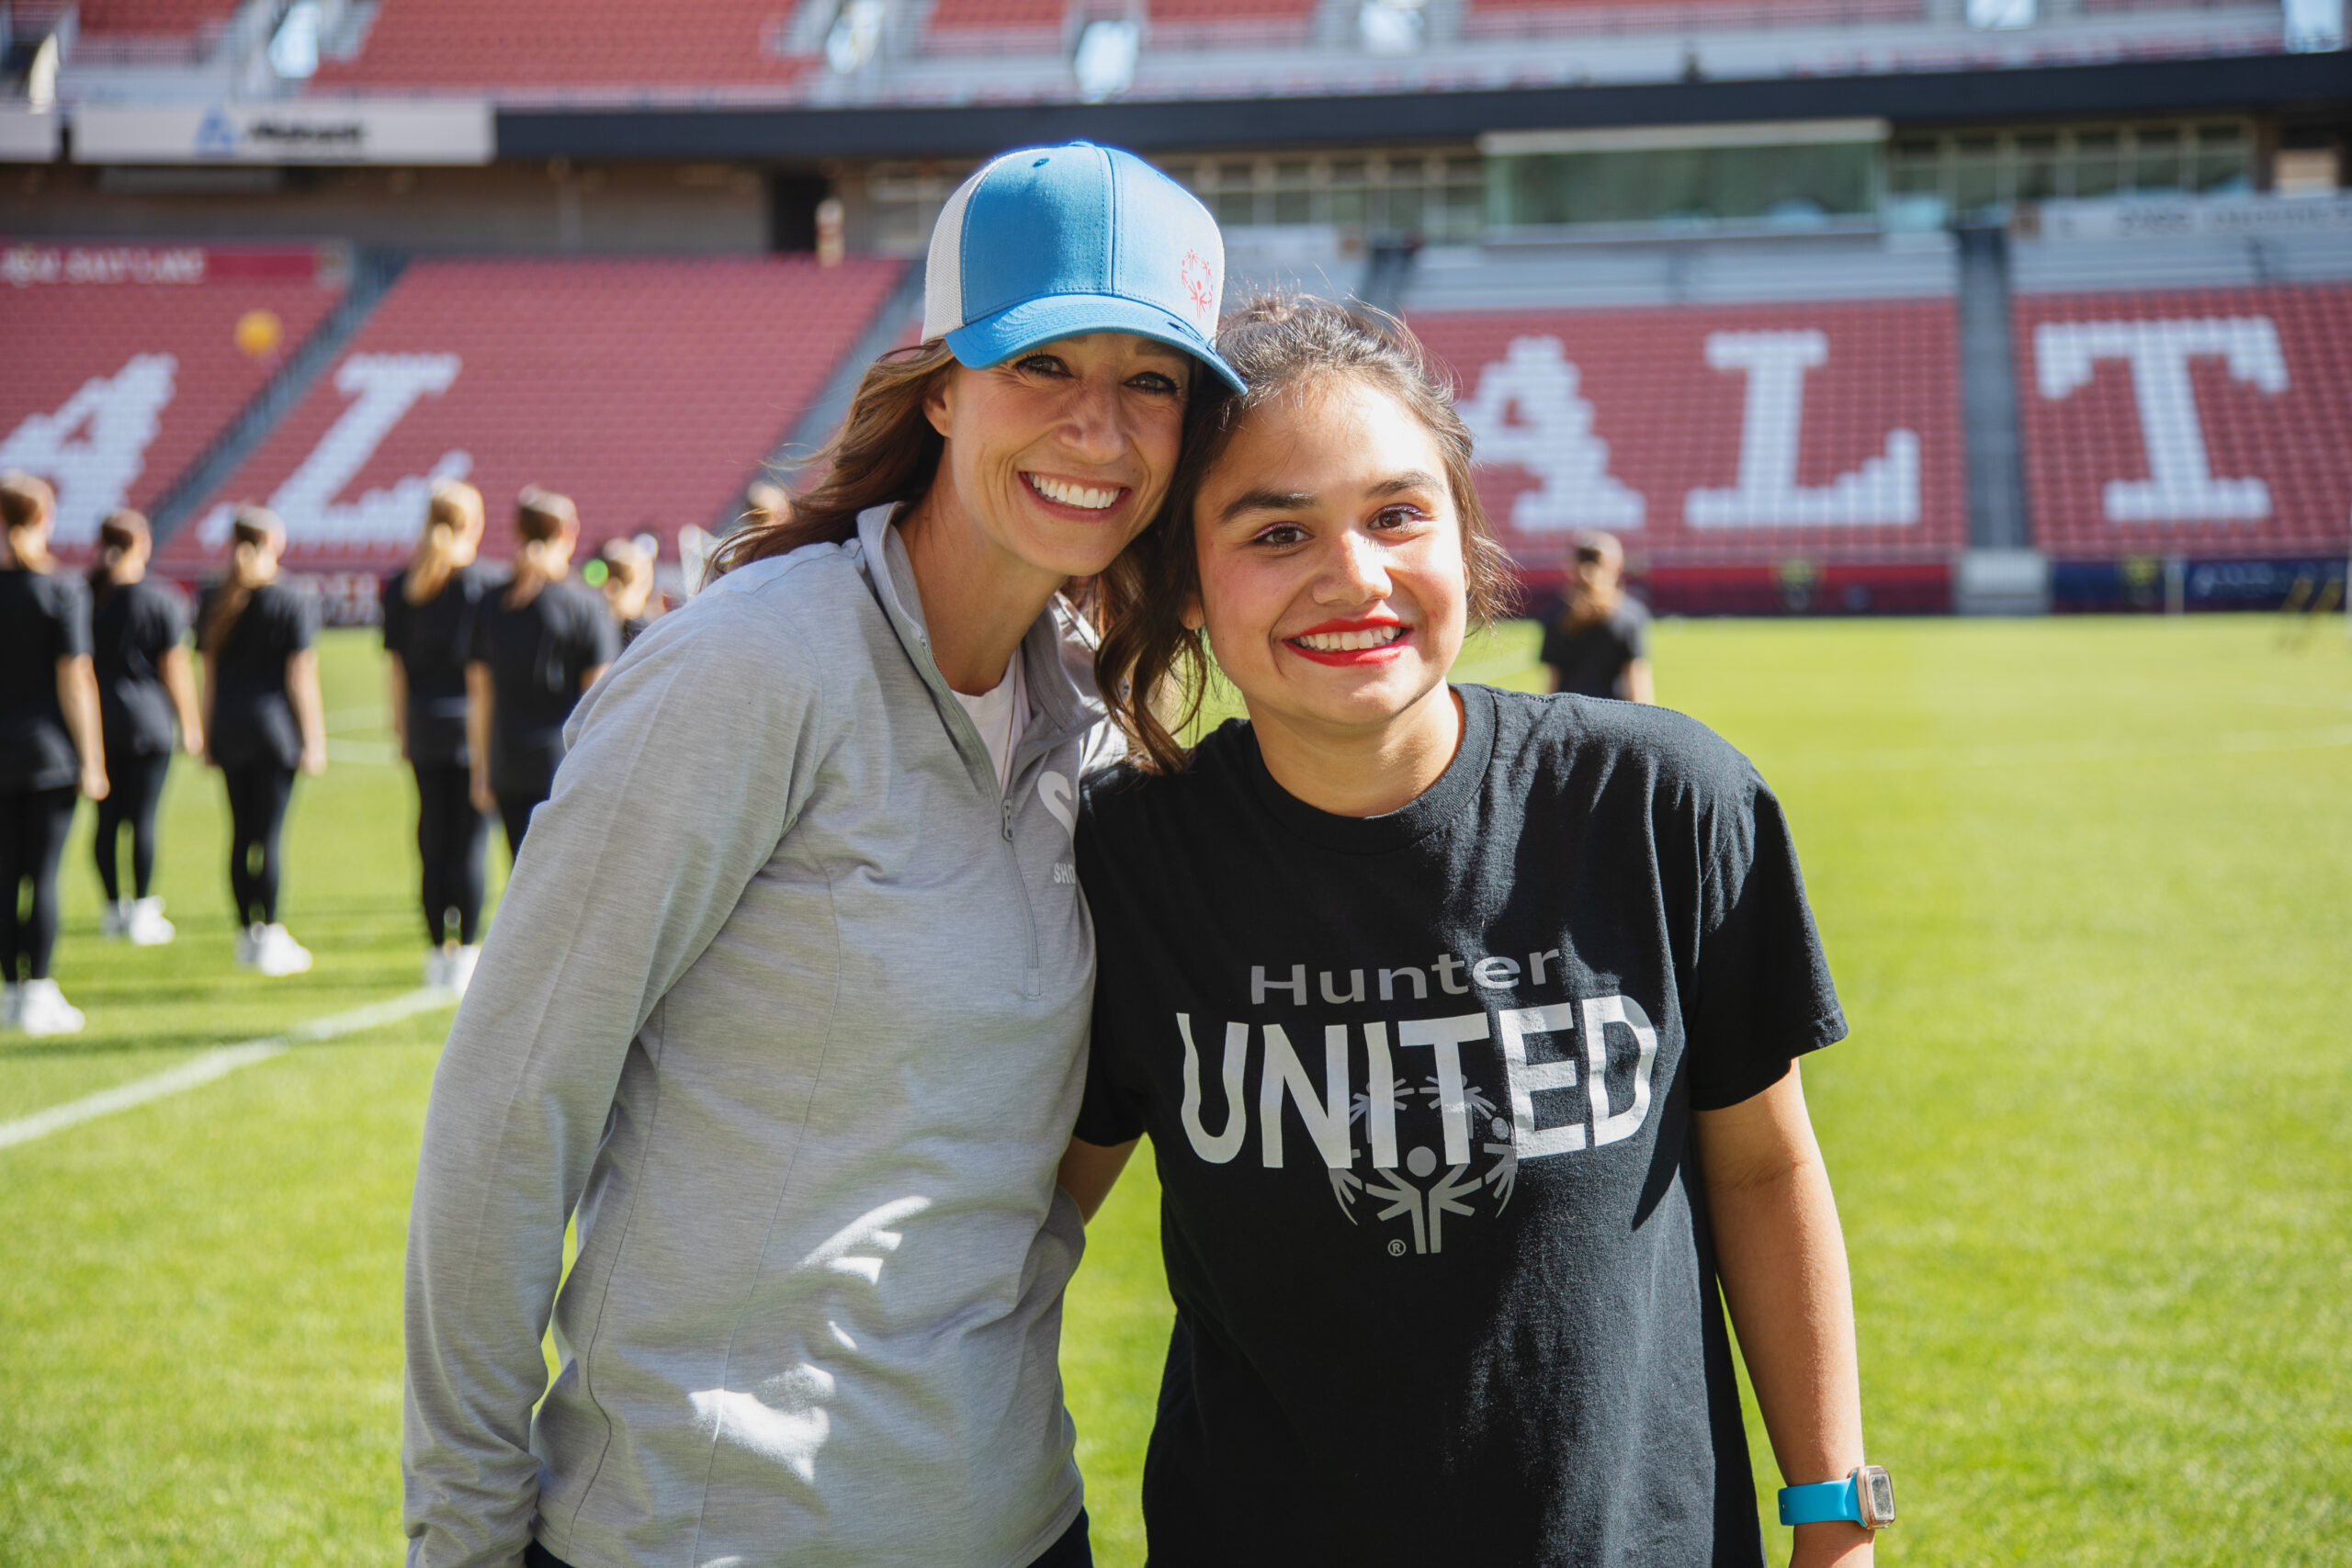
<point x="1817" y="301"/>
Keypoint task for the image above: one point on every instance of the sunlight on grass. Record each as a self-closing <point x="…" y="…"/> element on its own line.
<point x="2082" y="884"/>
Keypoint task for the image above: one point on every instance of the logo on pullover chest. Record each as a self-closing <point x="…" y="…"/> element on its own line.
<point x="1435" y="1142"/>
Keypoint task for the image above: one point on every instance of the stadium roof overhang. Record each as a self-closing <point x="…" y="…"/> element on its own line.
<point x="2320" y="83"/>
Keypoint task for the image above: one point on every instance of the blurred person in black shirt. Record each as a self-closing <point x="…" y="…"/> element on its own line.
<point x="538" y="645"/>
<point x="1599" y="644"/>
<point x="263" y="721"/>
<point x="628" y="588"/>
<point x="145" y="681"/>
<point x="429" y="609"/>
<point x="50" y="748"/>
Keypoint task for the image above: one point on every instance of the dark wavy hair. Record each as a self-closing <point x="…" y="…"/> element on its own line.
<point x="1152" y="669"/>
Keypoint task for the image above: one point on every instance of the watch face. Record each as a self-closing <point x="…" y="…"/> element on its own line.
<point x="1878" y="1496"/>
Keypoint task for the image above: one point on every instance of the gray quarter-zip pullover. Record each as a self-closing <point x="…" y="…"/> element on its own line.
<point x="790" y="1001"/>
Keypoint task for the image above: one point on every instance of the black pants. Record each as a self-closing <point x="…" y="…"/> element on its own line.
<point x="257" y="798"/>
<point x="134" y="789"/>
<point x="32" y="840"/>
<point x="1072" y="1551"/>
<point x="452" y="838"/>
<point x="514" y="811"/>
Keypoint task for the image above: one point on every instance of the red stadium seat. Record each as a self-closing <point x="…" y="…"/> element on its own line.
<point x="461" y="45"/>
<point x="1230" y="23"/>
<point x="2198" y="422"/>
<point x="1491" y="17"/>
<point x="994" y="26"/>
<point x="126" y="361"/>
<point x="1717" y="435"/>
<point x="649" y="391"/>
<point x="153" y="18"/>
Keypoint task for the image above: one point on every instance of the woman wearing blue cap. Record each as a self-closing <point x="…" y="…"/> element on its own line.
<point x="788" y="999"/>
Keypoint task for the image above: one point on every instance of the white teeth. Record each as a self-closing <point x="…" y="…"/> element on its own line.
<point x="1072" y="495"/>
<point x="1348" y="642"/>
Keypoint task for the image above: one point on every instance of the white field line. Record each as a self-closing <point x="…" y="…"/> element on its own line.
<point x="219" y="1062"/>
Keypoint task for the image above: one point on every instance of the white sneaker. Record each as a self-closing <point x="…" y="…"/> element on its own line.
<point x="462" y="968"/>
<point x="436" y="969"/>
<point x="248" y="946"/>
<point x="145" y="925"/>
<point x="115" y="919"/>
<point x="7" y="1004"/>
<point x="41" y="1008"/>
<point x="275" y="952"/>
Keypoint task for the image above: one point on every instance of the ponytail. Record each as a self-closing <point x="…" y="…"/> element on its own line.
<point x="256" y="537"/>
<point x="545" y="520"/>
<point x="122" y="532"/>
<point x="26" y="503"/>
<point x="453" y="520"/>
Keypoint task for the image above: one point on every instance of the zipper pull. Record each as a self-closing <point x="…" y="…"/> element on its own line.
<point x="1008" y="820"/>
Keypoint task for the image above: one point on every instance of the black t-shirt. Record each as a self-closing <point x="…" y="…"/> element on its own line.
<point x="537" y="654"/>
<point x="1591" y="660"/>
<point x="431" y="640"/>
<point x="44" y="617"/>
<point x="132" y="628"/>
<point x="1474" y="1319"/>
<point x="253" y="717"/>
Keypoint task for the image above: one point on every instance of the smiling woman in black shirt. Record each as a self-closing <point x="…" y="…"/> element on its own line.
<point x="144" y="682"/>
<point x="263" y="720"/>
<point x="1463" y="1023"/>
<point x="49" y="746"/>
<point x="429" y="612"/>
<point x="538" y="644"/>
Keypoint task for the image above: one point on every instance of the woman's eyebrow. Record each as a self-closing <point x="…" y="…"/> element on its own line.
<point x="1414" y="479"/>
<point x="1265" y="500"/>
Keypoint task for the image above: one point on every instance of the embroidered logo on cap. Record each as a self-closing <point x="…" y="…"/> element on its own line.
<point x="1200" y="283"/>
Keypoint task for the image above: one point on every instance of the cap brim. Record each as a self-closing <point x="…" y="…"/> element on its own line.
<point x="993" y="340"/>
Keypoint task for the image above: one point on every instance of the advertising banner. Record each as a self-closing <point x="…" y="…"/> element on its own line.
<point x="325" y="132"/>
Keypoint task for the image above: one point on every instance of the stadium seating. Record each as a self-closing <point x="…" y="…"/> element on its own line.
<point x="2194" y="422"/>
<point x="522" y="47"/>
<point x="153" y="18"/>
<point x="126" y="361"/>
<point x="1719" y="436"/>
<point x="960" y="27"/>
<point x="1494" y="17"/>
<point x="1184" y="24"/>
<point x="649" y="391"/>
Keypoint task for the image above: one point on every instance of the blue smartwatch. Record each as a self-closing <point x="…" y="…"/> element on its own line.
<point x="1865" y="1498"/>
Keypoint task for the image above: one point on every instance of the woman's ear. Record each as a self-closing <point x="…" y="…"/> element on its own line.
<point x="1191" y="615"/>
<point x="939" y="403"/>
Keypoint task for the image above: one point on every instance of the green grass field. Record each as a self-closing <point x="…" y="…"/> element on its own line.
<point x="2088" y="889"/>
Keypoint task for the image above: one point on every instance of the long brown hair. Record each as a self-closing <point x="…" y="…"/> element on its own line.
<point x="1153" y="670"/>
<point x="26" y="501"/>
<point x="884" y="452"/>
<point x="119" y="535"/>
<point x="252" y="537"/>
<point x="452" y="528"/>
<point x="542" y="517"/>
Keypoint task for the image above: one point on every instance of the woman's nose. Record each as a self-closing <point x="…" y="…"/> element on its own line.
<point x="1356" y="571"/>
<point x="1092" y="424"/>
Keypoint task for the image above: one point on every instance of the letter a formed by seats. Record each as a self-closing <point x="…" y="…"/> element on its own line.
<point x="1551" y="437"/>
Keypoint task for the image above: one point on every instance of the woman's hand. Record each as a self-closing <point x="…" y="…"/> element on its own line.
<point x="314" y="759"/>
<point x="485" y="798"/>
<point x="93" y="780"/>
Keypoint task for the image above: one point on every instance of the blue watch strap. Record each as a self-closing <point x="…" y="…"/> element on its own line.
<point x="1820" y="1502"/>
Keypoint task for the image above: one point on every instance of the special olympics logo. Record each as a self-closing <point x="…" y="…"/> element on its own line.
<point x="1200" y="284"/>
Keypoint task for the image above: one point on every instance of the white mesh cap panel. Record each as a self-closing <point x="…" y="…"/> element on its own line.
<point x="943" y="282"/>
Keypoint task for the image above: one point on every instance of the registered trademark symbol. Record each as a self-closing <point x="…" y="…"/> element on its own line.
<point x="1396" y="1249"/>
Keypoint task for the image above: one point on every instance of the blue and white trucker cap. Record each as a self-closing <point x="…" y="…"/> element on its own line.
<point x="1051" y="241"/>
